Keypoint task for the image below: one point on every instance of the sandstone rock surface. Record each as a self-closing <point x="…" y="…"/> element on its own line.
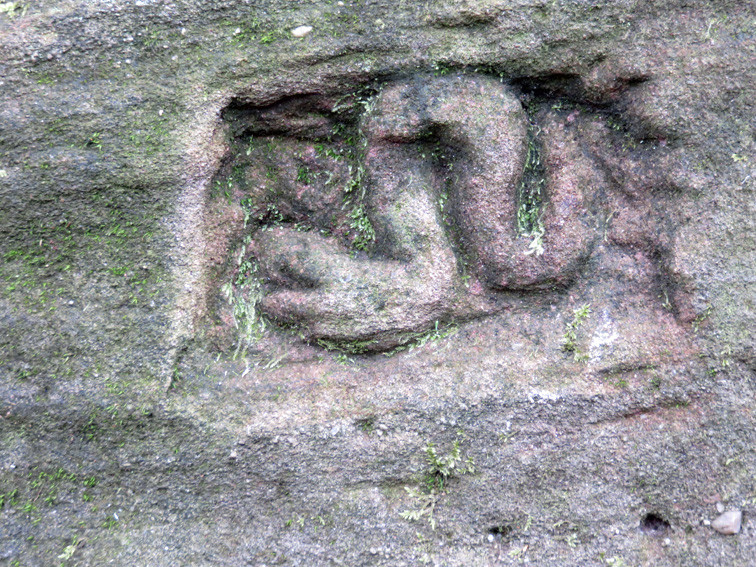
<point x="457" y="283"/>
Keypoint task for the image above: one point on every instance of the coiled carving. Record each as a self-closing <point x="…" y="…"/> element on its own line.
<point x="415" y="276"/>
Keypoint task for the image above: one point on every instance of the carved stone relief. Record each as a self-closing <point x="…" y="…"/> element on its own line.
<point x="361" y="220"/>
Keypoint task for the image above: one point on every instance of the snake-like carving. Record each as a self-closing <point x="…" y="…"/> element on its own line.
<point x="415" y="278"/>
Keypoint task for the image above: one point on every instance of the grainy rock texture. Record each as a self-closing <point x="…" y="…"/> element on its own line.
<point x="459" y="283"/>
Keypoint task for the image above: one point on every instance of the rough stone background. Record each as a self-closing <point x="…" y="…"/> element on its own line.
<point x="128" y="438"/>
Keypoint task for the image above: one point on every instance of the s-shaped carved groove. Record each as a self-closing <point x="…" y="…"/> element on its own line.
<point x="486" y="127"/>
<point x="329" y="294"/>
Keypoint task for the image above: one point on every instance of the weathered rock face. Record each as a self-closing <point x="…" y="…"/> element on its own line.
<point x="264" y="293"/>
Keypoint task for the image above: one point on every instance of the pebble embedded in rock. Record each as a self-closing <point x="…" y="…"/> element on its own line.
<point x="728" y="523"/>
<point x="301" y="31"/>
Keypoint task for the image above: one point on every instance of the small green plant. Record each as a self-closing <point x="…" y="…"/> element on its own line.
<point x="666" y="303"/>
<point x="354" y="182"/>
<point x="581" y="357"/>
<point x="614" y="123"/>
<point x="343" y="359"/>
<point x="69" y="550"/>
<point x="416" y="340"/>
<point x="296" y="519"/>
<point x="713" y="27"/>
<point x="440" y="69"/>
<point x="367" y="425"/>
<point x="518" y="552"/>
<point x="270" y="217"/>
<point x="270" y="36"/>
<point x="570" y="337"/>
<point x="45" y="80"/>
<point x="12" y="9"/>
<point x="701" y="317"/>
<point x="655" y="382"/>
<point x="530" y="194"/>
<point x="95" y="141"/>
<point x="11" y="498"/>
<point x="360" y="223"/>
<point x="91" y="427"/>
<point x="110" y="522"/>
<point x="724" y="358"/>
<point x="244" y="293"/>
<point x="346" y="347"/>
<point x="441" y="468"/>
<point x="433" y="481"/>
<point x="303" y="174"/>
